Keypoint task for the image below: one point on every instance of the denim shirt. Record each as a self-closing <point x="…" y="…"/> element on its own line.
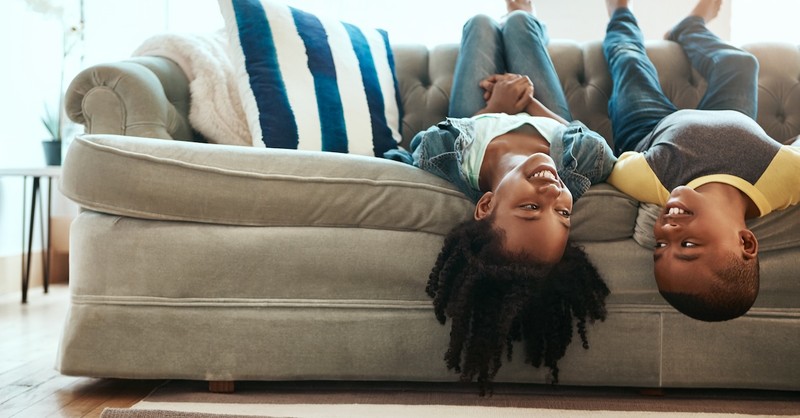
<point x="582" y="157"/>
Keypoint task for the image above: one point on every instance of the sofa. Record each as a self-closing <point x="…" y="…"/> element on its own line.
<point x="226" y="263"/>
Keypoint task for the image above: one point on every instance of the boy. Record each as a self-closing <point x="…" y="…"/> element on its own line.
<point x="711" y="168"/>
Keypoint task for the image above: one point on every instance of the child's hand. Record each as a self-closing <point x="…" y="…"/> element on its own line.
<point x="507" y="93"/>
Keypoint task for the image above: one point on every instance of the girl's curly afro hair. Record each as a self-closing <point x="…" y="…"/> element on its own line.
<point x="493" y="299"/>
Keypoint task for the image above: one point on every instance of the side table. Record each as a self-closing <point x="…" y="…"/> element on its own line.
<point x="36" y="173"/>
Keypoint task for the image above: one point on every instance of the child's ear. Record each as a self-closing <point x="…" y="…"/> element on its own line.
<point x="484" y="206"/>
<point x="749" y="244"/>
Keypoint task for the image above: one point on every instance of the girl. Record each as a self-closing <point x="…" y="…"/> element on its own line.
<point x="511" y="273"/>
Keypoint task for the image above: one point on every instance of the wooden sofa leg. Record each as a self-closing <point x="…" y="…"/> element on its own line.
<point x="220" y="386"/>
<point x="658" y="392"/>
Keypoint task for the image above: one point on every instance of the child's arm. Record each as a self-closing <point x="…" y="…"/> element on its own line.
<point x="536" y="108"/>
<point x="633" y="176"/>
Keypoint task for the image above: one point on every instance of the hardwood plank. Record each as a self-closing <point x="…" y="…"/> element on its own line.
<point x="70" y="401"/>
<point x="88" y="397"/>
<point x="127" y="395"/>
<point x="35" y="393"/>
<point x="29" y="384"/>
<point x="23" y="372"/>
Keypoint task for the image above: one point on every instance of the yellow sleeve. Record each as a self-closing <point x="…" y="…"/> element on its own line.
<point x="780" y="183"/>
<point x="634" y="177"/>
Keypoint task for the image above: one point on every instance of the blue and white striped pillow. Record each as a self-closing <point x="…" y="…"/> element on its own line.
<point x="312" y="83"/>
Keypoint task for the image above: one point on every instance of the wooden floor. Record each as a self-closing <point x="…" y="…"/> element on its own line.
<point x="29" y="384"/>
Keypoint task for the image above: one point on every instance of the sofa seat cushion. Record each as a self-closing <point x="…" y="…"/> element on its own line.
<point x="230" y="185"/>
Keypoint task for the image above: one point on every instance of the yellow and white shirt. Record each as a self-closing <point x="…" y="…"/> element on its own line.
<point x="695" y="147"/>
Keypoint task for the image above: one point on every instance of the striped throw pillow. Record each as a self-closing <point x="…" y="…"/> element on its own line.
<point x="312" y="83"/>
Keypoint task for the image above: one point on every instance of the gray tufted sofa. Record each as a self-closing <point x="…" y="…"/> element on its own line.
<point x="225" y="263"/>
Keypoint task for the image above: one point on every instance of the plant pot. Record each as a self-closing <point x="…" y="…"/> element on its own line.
<point x="52" y="151"/>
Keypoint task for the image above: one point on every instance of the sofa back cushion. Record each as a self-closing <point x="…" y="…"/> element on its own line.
<point x="425" y="77"/>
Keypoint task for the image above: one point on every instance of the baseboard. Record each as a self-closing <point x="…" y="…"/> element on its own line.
<point x="11" y="271"/>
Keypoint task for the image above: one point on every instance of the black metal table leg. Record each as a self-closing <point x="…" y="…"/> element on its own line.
<point x="28" y="225"/>
<point x="26" y="274"/>
<point x="46" y="279"/>
<point x="22" y="256"/>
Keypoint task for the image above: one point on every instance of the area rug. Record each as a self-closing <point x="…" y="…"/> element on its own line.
<point x="180" y="399"/>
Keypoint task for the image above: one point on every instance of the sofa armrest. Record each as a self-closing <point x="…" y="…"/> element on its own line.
<point x="143" y="96"/>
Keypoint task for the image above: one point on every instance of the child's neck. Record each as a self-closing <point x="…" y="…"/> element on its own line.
<point x="498" y="167"/>
<point x="506" y="151"/>
<point x="730" y="198"/>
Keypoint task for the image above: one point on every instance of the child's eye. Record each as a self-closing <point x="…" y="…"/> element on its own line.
<point x="661" y="244"/>
<point x="688" y="244"/>
<point x="531" y="206"/>
<point x="565" y="213"/>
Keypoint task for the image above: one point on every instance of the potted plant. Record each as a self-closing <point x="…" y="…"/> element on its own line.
<point x="52" y="146"/>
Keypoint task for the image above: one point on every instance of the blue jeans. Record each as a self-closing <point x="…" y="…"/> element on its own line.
<point x="518" y="46"/>
<point x="582" y="156"/>
<point x="637" y="103"/>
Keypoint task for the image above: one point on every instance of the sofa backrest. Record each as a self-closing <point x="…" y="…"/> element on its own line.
<point x="149" y="96"/>
<point x="425" y="77"/>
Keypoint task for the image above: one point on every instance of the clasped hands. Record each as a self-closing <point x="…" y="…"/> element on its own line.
<point x="507" y="93"/>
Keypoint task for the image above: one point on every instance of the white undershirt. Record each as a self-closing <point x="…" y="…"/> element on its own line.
<point x="489" y="126"/>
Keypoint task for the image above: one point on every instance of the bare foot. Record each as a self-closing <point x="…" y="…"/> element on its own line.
<point x="704" y="9"/>
<point x="524" y="5"/>
<point x="707" y="9"/>
<point x="613" y="5"/>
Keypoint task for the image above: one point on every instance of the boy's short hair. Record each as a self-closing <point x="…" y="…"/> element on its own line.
<point x="733" y="291"/>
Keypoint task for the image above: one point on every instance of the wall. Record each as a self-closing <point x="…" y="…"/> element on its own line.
<point x="581" y="20"/>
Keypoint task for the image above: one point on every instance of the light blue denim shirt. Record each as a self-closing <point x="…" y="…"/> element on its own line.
<point x="582" y="157"/>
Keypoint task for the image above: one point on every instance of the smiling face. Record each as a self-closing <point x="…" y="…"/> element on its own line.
<point x="693" y="236"/>
<point x="532" y="207"/>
